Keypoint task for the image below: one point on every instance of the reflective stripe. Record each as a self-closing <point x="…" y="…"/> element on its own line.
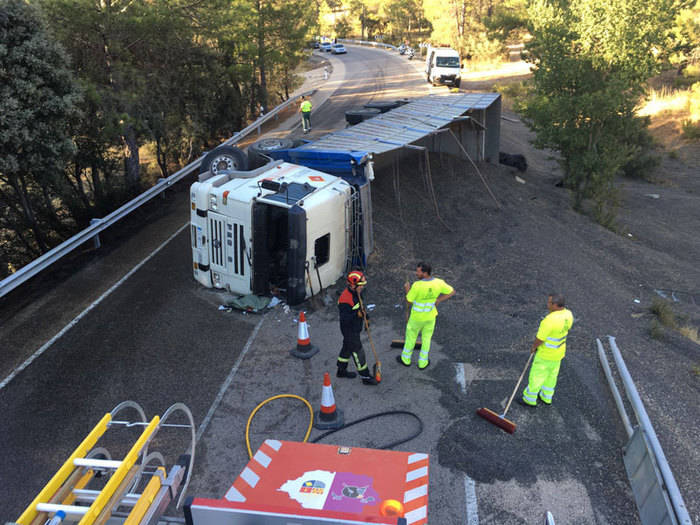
<point x="356" y="307"/>
<point x="423" y="307"/>
<point x="529" y="397"/>
<point x="343" y="360"/>
<point x="555" y="340"/>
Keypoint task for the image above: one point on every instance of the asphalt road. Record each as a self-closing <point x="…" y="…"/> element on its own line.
<point x="159" y="339"/>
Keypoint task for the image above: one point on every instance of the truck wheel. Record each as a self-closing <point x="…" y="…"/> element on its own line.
<point x="355" y="116"/>
<point x="224" y="158"/>
<point x="458" y="82"/>
<point x="383" y="107"/>
<point x="258" y="151"/>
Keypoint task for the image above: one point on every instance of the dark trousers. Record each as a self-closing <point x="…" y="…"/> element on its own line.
<point x="306" y="120"/>
<point x="352" y="347"/>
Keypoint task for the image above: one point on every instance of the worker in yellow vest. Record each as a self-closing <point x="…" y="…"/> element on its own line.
<point x="305" y="109"/>
<point x="550" y="345"/>
<point x="424" y="295"/>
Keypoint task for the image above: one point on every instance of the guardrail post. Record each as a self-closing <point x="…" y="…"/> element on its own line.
<point x="160" y="181"/>
<point x="96" y="239"/>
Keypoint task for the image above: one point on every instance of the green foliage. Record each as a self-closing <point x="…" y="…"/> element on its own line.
<point x="592" y="58"/>
<point x="38" y="102"/>
<point x="663" y="311"/>
<point x="691" y="130"/>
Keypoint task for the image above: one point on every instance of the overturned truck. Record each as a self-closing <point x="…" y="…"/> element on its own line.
<point x="302" y="216"/>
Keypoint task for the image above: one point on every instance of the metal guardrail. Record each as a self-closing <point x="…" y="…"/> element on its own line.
<point x="366" y="43"/>
<point x="655" y="489"/>
<point x="41" y="263"/>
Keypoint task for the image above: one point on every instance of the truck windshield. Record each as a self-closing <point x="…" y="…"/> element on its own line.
<point x="447" y="62"/>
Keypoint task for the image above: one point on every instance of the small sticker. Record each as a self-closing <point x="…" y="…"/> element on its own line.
<point x="316" y="178"/>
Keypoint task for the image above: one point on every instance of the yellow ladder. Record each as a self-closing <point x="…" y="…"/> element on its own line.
<point x="78" y="470"/>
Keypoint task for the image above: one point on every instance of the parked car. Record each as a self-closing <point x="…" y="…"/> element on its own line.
<point x="314" y="44"/>
<point x="338" y="49"/>
<point x="325" y="46"/>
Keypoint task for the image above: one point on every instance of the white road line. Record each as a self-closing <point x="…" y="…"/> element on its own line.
<point x="82" y="314"/>
<point x="461" y="380"/>
<point x="472" y="508"/>
<point x="228" y="381"/>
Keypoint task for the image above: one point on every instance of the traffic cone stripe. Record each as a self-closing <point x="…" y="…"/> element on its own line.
<point x="329" y="417"/>
<point x="304" y="348"/>
<point x="327" y="398"/>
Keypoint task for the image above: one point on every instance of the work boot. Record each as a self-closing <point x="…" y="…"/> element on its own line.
<point x="343" y="372"/>
<point x="369" y="380"/>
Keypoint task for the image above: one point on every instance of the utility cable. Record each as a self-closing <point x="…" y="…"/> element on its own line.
<point x="372" y="416"/>
<point x="325" y="434"/>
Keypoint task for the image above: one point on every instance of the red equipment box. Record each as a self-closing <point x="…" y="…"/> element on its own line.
<point x="289" y="483"/>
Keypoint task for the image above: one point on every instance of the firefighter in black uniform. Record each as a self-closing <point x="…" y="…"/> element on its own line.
<point x="351" y="323"/>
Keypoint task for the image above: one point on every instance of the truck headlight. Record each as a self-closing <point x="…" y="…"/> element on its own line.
<point x="212" y="202"/>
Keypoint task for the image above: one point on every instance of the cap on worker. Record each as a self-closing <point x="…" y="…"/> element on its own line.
<point x="357" y="278"/>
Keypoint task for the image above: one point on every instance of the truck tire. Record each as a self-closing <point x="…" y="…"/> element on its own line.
<point x="458" y="82"/>
<point x="258" y="151"/>
<point x="224" y="158"/>
<point x="383" y="107"/>
<point x="355" y="116"/>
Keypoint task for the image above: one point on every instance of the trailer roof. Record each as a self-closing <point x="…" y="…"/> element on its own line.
<point x="403" y="125"/>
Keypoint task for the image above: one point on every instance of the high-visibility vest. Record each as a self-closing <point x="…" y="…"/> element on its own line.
<point x="423" y="295"/>
<point x="552" y="332"/>
<point x="305" y="106"/>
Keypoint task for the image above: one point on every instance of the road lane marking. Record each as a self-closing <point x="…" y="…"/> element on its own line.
<point x="227" y="382"/>
<point x="82" y="314"/>
<point x="472" y="507"/>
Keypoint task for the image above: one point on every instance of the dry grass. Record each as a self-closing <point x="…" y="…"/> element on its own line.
<point x="690" y="333"/>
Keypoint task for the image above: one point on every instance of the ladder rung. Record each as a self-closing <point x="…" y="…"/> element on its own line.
<point x="97" y="463"/>
<point x="68" y="509"/>
<point x="89" y="495"/>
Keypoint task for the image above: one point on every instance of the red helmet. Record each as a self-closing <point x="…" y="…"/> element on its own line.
<point x="357" y="278"/>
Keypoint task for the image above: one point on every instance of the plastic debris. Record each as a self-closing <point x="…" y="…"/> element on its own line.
<point x="653" y="195"/>
<point x="637" y="301"/>
<point x="371" y="307"/>
<point x="274" y="302"/>
<point x="518" y="179"/>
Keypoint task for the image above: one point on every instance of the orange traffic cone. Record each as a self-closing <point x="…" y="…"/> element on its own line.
<point x="329" y="417"/>
<point x="304" y="349"/>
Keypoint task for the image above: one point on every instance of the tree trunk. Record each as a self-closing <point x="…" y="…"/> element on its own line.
<point x="131" y="157"/>
<point x="261" y="54"/>
<point x="161" y="157"/>
<point x="28" y="212"/>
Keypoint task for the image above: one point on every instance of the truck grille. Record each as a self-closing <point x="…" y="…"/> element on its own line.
<point x="227" y="246"/>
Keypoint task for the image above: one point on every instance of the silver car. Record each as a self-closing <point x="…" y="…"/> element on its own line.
<point x="338" y="49"/>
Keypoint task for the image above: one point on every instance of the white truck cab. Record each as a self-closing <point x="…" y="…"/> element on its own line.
<point x="442" y="66"/>
<point x="280" y="227"/>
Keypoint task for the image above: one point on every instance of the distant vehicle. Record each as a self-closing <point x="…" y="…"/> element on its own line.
<point x="325" y="46"/>
<point x="314" y="44"/>
<point x="338" y="49"/>
<point x="442" y="66"/>
<point x="402" y="49"/>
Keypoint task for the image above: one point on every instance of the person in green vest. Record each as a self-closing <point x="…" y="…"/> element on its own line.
<point x="550" y="345"/>
<point x="424" y="295"/>
<point x="305" y="109"/>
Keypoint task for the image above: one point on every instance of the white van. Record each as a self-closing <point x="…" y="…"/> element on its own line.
<point x="442" y="66"/>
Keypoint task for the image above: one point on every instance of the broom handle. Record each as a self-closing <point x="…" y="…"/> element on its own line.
<point x="369" y="334"/>
<point x="517" y="385"/>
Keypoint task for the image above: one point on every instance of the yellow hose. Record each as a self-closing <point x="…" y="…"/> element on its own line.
<point x="252" y="414"/>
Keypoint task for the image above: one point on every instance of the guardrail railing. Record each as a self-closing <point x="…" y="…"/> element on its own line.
<point x="366" y="43"/>
<point x="44" y="261"/>
<point x="656" y="493"/>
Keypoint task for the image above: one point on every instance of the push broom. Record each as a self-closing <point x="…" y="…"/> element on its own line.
<point x="500" y="420"/>
<point x="377" y="368"/>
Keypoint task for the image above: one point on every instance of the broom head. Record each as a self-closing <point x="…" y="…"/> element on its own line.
<point x="377" y="372"/>
<point x="500" y="422"/>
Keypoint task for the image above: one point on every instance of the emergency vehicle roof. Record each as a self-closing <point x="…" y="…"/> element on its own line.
<point x="321" y="484"/>
<point x="403" y="125"/>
